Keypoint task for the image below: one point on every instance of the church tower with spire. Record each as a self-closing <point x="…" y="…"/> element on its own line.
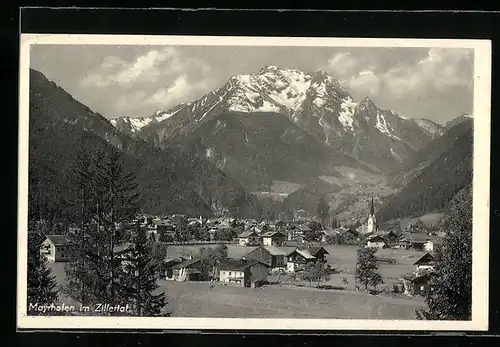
<point x="372" y="220"/>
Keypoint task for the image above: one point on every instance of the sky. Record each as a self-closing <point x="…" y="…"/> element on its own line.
<point x="136" y="81"/>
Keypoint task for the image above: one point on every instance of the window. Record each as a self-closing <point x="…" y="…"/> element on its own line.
<point x="229" y="273"/>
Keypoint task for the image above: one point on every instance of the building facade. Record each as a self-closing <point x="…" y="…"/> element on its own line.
<point x="243" y="273"/>
<point x="56" y="248"/>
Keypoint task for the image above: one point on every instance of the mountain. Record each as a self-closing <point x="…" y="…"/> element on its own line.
<point x="456" y="120"/>
<point x="437" y="173"/>
<point x="170" y="180"/>
<point x="411" y="167"/>
<point x="316" y="105"/>
<point x="131" y="126"/>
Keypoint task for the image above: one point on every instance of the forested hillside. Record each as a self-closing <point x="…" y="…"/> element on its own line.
<point x="438" y="182"/>
<point x="170" y="181"/>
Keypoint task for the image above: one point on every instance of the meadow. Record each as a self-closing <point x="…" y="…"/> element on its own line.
<point x="341" y="258"/>
<point x="289" y="299"/>
<point x="206" y="299"/>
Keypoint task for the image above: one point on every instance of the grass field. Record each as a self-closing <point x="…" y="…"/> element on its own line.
<point x="202" y="299"/>
<point x="342" y="258"/>
<point x="206" y="299"/>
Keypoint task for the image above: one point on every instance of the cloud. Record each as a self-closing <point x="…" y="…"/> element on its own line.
<point x="366" y="81"/>
<point x="130" y="101"/>
<point x="176" y="93"/>
<point x="439" y="70"/>
<point x="343" y="64"/>
<point x="146" y="72"/>
<point x="147" y="68"/>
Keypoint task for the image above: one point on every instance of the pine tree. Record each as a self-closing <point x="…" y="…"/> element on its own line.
<point x="79" y="212"/>
<point x="42" y="287"/>
<point x="107" y="200"/>
<point x="138" y="278"/>
<point x="367" y="268"/>
<point x="451" y="298"/>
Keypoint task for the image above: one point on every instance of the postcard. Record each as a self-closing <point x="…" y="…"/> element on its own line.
<point x="253" y="183"/>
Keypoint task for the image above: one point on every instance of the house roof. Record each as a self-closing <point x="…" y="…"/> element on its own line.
<point x="164" y="222"/>
<point x="385" y="233"/>
<point x="418" y="276"/>
<point x="416" y="237"/>
<point x="303" y="252"/>
<point x="425" y="259"/>
<point x="186" y="263"/>
<point x="247" y="233"/>
<point x="58" y="240"/>
<point x="274" y="250"/>
<point x="291" y="243"/>
<point x="375" y="238"/>
<point x="122" y="247"/>
<point x="272" y="233"/>
<point x="239" y="264"/>
<point x="315" y="250"/>
<point x="171" y="260"/>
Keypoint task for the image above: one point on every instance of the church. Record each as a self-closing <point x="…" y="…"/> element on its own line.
<point x="372" y="220"/>
<point x="371" y="224"/>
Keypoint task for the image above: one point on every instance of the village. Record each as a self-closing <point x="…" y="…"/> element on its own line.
<point x="280" y="254"/>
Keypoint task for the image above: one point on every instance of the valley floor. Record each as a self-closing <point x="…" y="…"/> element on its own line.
<point x="211" y="299"/>
<point x="205" y="299"/>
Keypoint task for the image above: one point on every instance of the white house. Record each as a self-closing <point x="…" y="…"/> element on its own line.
<point x="375" y="241"/>
<point x="248" y="238"/>
<point x="273" y="238"/>
<point x="244" y="273"/>
<point x="431" y="244"/>
<point x="425" y="262"/>
<point x="56" y="248"/>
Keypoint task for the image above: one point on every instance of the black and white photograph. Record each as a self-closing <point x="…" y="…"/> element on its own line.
<point x="253" y="183"/>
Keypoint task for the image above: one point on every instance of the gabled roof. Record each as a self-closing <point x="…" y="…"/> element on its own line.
<point x="163" y="222"/>
<point x="171" y="260"/>
<point x="274" y="250"/>
<point x="247" y="233"/>
<point x="186" y="263"/>
<point x="315" y="250"/>
<point x="375" y="238"/>
<point x="385" y="233"/>
<point x="58" y="240"/>
<point x="272" y="233"/>
<point x="425" y="259"/>
<point x="303" y="252"/>
<point x="418" y="276"/>
<point x="291" y="243"/>
<point x="123" y="247"/>
<point x="416" y="237"/>
<point x="239" y="264"/>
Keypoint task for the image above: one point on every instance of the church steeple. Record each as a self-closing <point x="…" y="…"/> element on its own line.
<point x="372" y="220"/>
<point x="372" y="208"/>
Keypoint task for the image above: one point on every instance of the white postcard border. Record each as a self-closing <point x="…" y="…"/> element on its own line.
<point x="481" y="180"/>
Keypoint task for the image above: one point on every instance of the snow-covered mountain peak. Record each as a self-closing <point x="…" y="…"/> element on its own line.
<point x="367" y="106"/>
<point x="314" y="101"/>
<point x="269" y="68"/>
<point x="135" y="124"/>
